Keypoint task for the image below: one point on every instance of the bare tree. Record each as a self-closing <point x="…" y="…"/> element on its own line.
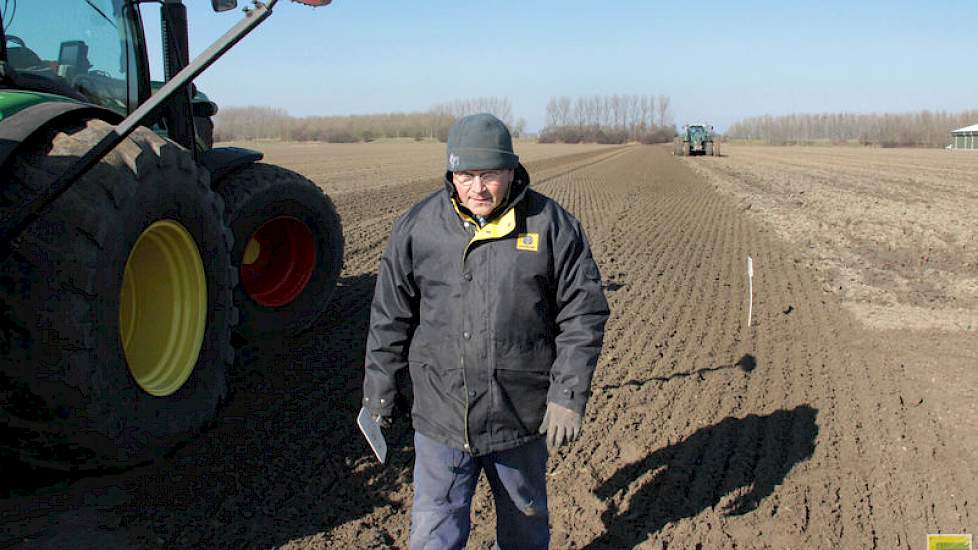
<point x="646" y="111"/>
<point x="564" y="110"/>
<point x="553" y="113"/>
<point x="663" y="110"/>
<point x="519" y="127"/>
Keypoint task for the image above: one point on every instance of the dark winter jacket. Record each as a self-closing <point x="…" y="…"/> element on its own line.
<point x="493" y="322"/>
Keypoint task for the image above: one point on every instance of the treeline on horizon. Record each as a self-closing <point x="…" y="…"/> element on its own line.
<point x="601" y="119"/>
<point x="261" y="122"/>
<point x="916" y="129"/>
<point x="608" y="119"/>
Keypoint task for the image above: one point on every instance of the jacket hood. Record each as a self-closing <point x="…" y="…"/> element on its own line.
<point x="521" y="182"/>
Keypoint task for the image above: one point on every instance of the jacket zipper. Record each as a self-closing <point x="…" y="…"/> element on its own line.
<point x="465" y="386"/>
<point x="465" y="416"/>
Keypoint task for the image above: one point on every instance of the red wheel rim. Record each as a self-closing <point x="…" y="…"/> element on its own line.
<point x="278" y="261"/>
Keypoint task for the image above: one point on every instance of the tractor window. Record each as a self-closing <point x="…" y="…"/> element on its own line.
<point x="150" y="14"/>
<point x="78" y="49"/>
<point x="697" y="133"/>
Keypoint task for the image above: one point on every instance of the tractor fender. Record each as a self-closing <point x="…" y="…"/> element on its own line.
<point x="222" y="161"/>
<point x="23" y="124"/>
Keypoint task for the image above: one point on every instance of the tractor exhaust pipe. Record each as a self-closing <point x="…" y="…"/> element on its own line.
<point x="173" y="21"/>
<point x="176" y="56"/>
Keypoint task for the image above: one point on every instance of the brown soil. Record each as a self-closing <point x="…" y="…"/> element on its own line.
<point x="343" y="167"/>
<point x="806" y="430"/>
<point x="893" y="231"/>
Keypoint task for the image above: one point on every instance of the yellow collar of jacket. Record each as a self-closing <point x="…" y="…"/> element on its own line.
<point x="498" y="228"/>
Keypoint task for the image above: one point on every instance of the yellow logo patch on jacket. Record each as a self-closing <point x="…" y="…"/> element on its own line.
<point x="528" y="241"/>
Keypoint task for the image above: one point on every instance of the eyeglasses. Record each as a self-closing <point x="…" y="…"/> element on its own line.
<point x="487" y="177"/>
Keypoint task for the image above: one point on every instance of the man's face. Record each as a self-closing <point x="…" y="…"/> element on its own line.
<point x="481" y="191"/>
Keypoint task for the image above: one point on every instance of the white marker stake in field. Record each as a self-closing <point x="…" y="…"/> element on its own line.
<point x="750" y="289"/>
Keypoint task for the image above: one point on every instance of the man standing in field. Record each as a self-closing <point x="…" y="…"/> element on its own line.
<point x="488" y="292"/>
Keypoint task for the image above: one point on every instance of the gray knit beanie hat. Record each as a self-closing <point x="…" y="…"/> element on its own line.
<point x="480" y="142"/>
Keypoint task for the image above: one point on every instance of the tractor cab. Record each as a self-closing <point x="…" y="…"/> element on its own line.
<point x="94" y="51"/>
<point x="697" y="135"/>
<point x="84" y="50"/>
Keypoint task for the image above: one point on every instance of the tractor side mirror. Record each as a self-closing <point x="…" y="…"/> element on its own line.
<point x="224" y="5"/>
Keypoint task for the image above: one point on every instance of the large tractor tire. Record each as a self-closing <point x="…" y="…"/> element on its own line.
<point x="708" y="149"/>
<point x="288" y="248"/>
<point x="115" y="304"/>
<point x="686" y="149"/>
<point x="681" y="148"/>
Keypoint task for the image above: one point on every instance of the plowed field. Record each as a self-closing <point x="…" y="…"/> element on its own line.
<point x="893" y="231"/>
<point x="805" y="430"/>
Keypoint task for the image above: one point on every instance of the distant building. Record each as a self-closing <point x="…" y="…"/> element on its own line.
<point x="965" y="138"/>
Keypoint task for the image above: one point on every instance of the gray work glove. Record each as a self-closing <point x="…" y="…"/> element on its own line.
<point x="561" y="425"/>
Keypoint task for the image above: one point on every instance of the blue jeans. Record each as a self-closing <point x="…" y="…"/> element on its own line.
<point x="445" y="480"/>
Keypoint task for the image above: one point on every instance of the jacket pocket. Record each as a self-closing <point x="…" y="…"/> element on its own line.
<point x="439" y="398"/>
<point x="522" y="398"/>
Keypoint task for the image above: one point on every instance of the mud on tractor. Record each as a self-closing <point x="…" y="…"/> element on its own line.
<point x="135" y="257"/>
<point x="696" y="139"/>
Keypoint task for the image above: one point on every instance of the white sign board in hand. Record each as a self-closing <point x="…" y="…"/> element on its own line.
<point x="371" y="431"/>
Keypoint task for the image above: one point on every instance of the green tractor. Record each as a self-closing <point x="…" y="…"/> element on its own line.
<point x="696" y="139"/>
<point x="135" y="257"/>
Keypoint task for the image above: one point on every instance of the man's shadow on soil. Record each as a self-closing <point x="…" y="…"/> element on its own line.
<point x="743" y="459"/>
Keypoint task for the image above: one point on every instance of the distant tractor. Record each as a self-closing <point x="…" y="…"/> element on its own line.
<point x="696" y="139"/>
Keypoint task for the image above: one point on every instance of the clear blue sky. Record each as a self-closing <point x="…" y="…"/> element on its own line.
<point x="718" y="61"/>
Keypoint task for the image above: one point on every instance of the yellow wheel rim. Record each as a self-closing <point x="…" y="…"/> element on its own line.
<point x="163" y="308"/>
